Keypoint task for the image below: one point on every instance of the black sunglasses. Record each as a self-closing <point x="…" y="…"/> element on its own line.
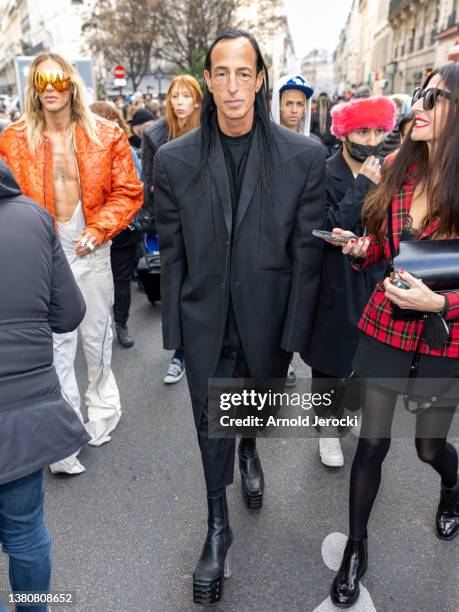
<point x="429" y="96"/>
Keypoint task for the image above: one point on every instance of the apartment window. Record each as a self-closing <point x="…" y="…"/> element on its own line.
<point x="411" y="41"/>
<point x="421" y="42"/>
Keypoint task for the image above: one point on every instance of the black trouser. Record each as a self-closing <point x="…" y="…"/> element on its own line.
<point x="218" y="453"/>
<point x="178" y="354"/>
<point x="432" y="427"/>
<point x="123" y="260"/>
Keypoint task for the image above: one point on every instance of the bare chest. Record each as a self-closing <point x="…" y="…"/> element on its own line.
<point x="65" y="179"/>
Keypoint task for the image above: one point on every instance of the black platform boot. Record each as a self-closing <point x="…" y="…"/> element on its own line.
<point x="124" y="338"/>
<point x="447" y="519"/>
<point x="213" y="565"/>
<point x="345" y="589"/>
<point x="252" y="479"/>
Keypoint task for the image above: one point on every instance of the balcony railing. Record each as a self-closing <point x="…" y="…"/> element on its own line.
<point x="396" y="6"/>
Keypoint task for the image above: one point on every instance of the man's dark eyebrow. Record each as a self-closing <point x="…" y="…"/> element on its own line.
<point x="226" y="68"/>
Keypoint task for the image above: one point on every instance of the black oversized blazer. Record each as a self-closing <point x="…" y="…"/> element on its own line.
<point x="271" y="264"/>
<point x="344" y="292"/>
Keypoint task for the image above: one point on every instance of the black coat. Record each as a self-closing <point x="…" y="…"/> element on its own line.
<point x="272" y="265"/>
<point x="153" y="137"/>
<point x="38" y="296"/>
<point x="344" y="292"/>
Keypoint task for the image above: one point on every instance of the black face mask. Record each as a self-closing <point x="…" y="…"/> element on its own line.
<point x="360" y="152"/>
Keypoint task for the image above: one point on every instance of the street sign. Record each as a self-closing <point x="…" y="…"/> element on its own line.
<point x="119" y="82"/>
<point x="119" y="72"/>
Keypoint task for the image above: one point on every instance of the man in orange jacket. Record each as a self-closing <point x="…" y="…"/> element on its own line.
<point x="80" y="169"/>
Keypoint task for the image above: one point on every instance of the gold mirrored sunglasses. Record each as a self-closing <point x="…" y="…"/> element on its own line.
<point x="60" y="80"/>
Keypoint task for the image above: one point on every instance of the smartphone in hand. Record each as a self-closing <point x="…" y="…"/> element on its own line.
<point x="330" y="237"/>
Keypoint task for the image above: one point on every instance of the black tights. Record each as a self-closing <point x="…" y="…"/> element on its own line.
<point x="432" y="428"/>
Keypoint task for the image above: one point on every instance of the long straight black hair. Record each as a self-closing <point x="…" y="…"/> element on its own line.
<point x="262" y="112"/>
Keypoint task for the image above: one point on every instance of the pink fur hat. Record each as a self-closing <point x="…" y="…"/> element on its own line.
<point x="372" y="112"/>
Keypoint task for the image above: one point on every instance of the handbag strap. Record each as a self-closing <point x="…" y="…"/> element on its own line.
<point x="412" y="378"/>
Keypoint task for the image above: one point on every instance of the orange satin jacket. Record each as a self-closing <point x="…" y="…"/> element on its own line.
<point x="111" y="192"/>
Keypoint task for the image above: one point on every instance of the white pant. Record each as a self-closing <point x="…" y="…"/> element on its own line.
<point x="93" y="275"/>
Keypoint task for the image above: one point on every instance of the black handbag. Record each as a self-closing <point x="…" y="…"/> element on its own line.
<point x="436" y="262"/>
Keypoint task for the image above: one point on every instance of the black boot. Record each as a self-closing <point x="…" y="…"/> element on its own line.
<point x="345" y="589"/>
<point x="252" y="479"/>
<point x="447" y="519"/>
<point x="213" y="565"/>
<point x="123" y="336"/>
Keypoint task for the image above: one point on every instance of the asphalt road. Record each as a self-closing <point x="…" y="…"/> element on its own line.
<point x="127" y="533"/>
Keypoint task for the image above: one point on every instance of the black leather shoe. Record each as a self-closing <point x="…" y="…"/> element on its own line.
<point x="123" y="336"/>
<point x="447" y="519"/>
<point x="345" y="589"/>
<point x="252" y="479"/>
<point x="213" y="565"/>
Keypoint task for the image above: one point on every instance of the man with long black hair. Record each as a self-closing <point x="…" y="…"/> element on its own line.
<point x="236" y="201"/>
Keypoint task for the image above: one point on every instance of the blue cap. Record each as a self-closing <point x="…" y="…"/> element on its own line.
<point x="299" y="83"/>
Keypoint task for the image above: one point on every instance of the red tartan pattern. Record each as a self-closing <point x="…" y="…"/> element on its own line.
<point x="376" y="320"/>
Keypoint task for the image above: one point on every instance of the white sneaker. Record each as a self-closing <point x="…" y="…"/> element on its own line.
<point x="175" y="372"/>
<point x="330" y="452"/>
<point x="71" y="466"/>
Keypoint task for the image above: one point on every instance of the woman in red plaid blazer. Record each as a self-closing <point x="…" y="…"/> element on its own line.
<point x="420" y="189"/>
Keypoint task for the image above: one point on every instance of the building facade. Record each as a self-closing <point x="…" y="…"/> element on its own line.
<point x="390" y="46"/>
<point x="318" y="69"/>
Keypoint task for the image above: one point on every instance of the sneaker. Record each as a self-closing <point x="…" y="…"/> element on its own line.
<point x="71" y="466"/>
<point x="175" y="372"/>
<point x="290" y="381"/>
<point x="330" y="452"/>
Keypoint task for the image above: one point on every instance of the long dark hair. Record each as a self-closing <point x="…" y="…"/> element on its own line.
<point x="262" y="113"/>
<point x="439" y="170"/>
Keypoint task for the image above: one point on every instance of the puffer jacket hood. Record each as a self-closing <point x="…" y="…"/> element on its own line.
<point x="8" y="186"/>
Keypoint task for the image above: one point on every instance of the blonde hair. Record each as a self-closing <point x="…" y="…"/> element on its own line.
<point x="192" y="85"/>
<point x="80" y="111"/>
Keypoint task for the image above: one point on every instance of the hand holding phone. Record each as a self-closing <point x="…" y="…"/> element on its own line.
<point x="338" y="239"/>
<point x="350" y="243"/>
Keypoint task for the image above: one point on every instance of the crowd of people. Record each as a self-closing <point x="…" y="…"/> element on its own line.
<point x="232" y="180"/>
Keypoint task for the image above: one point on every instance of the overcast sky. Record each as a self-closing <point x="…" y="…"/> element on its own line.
<point x="316" y="23"/>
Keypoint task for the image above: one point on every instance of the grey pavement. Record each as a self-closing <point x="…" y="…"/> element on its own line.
<point x="127" y="533"/>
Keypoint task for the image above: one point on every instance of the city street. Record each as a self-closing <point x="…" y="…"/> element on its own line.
<point x="127" y="533"/>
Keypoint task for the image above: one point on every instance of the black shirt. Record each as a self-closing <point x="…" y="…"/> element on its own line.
<point x="236" y="151"/>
